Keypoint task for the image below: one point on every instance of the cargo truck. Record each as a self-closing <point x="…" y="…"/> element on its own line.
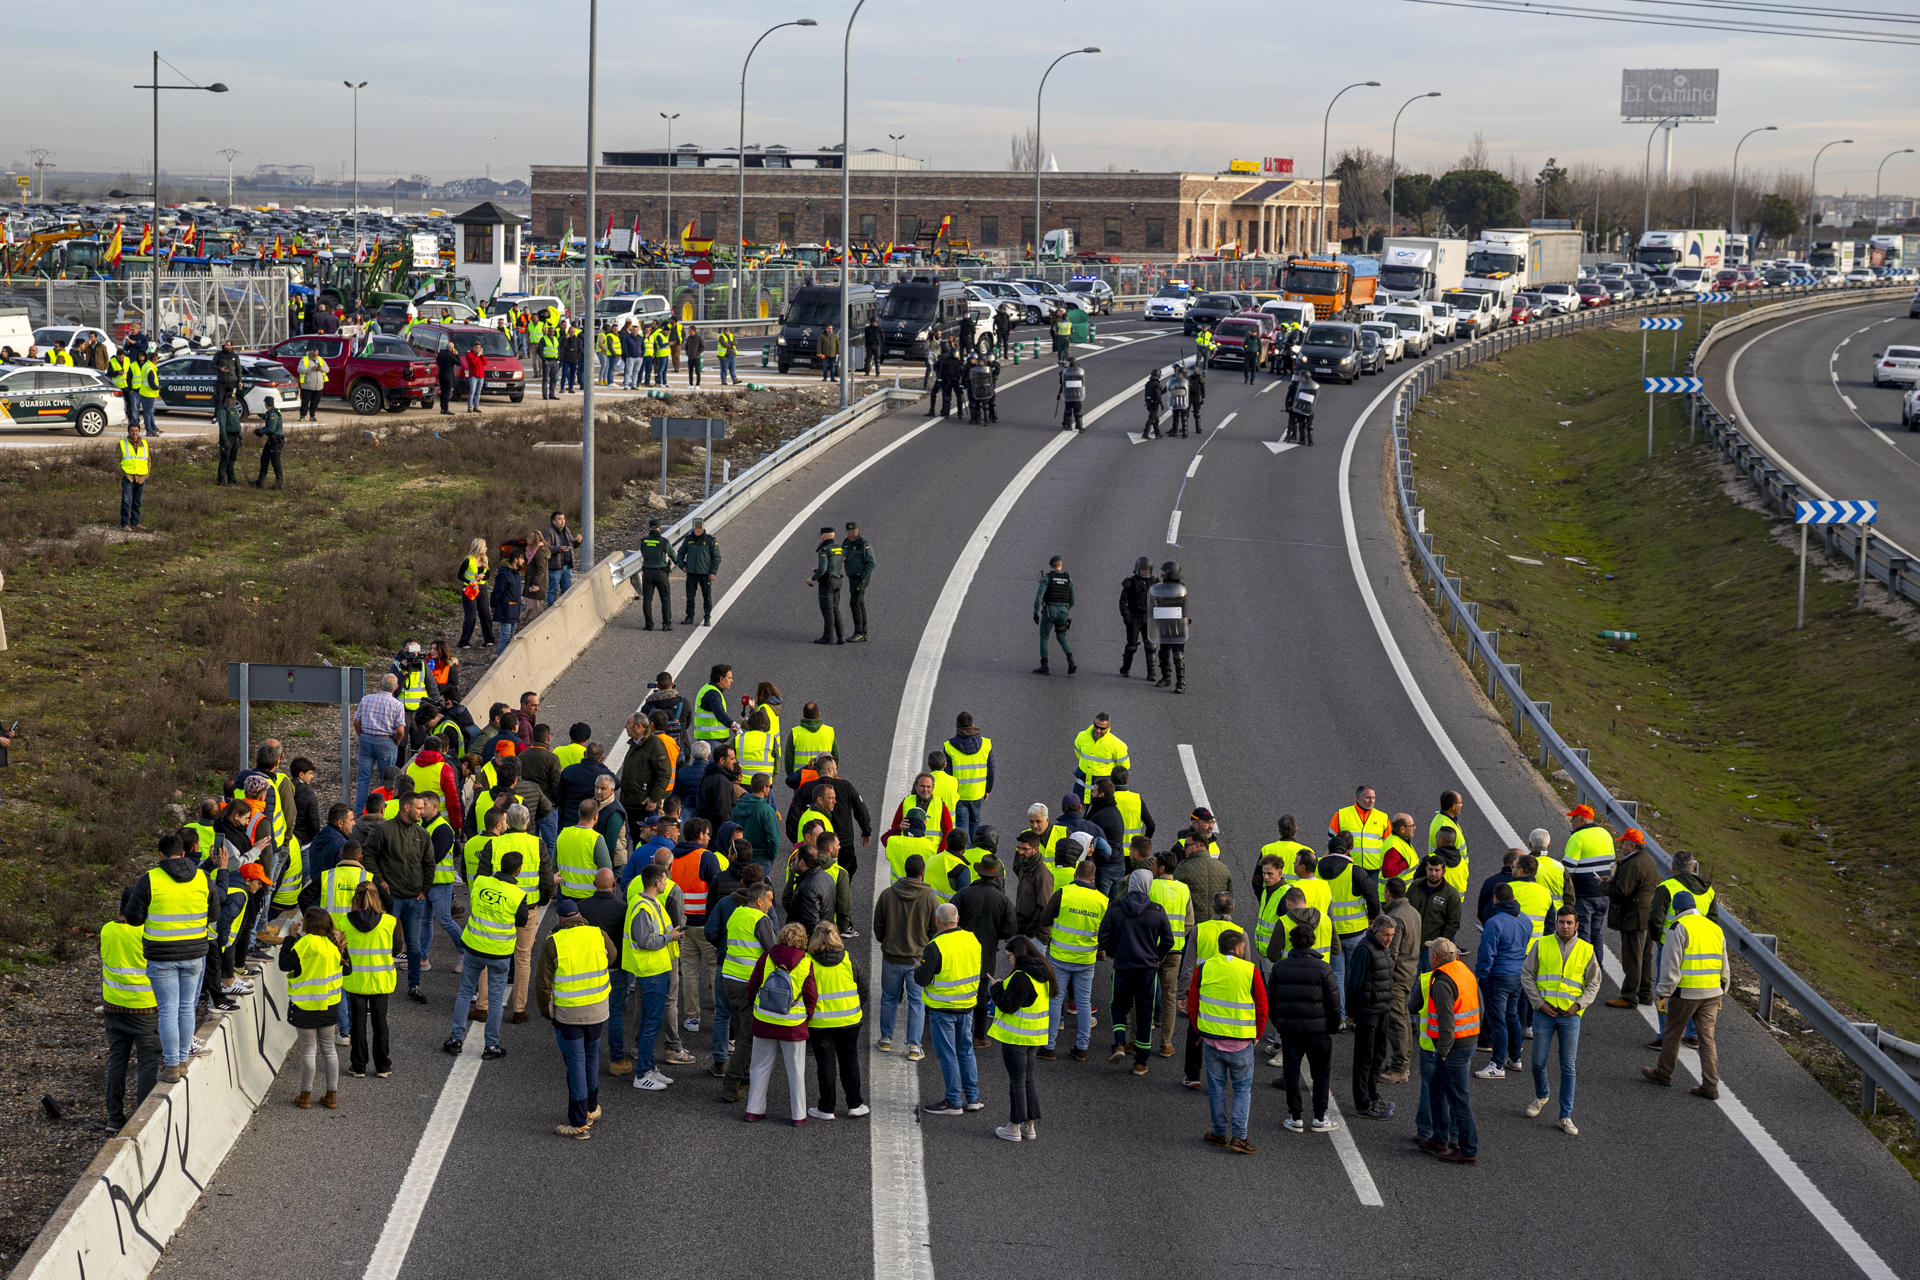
<point x="1662" y="251"/>
<point x="1838" y="254"/>
<point x="1895" y="251"/>
<point x="1497" y="264"/>
<point x="1420" y="268"/>
<point x="1331" y="286"/>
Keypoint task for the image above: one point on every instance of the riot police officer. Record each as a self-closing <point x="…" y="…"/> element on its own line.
<point x="1136" y="614"/>
<point x="1052" y="612"/>
<point x="829" y="571"/>
<point x="982" y="380"/>
<point x="656" y="565"/>
<point x="1168" y="599"/>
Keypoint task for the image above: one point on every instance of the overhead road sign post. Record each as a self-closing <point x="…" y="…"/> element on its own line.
<point x="707" y="429"/>
<point x="1829" y="511"/>
<point x="1662" y="387"/>
<point x="251" y="682"/>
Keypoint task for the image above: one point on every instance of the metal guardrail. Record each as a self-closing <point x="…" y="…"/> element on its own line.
<point x="746" y="485"/>
<point x="1887" y="562"/>
<point x="1866" y="1046"/>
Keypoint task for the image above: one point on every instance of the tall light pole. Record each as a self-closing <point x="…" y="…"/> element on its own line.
<point x="1393" y="154"/>
<point x="1904" y="151"/>
<point x="587" y="300"/>
<point x="356" y="88"/>
<point x="740" y="210"/>
<point x="896" y="139"/>
<point x="153" y="316"/>
<point x="1325" y="123"/>
<point x="42" y="160"/>
<point x="231" y="154"/>
<point x="1813" y="188"/>
<point x="1733" y="201"/>
<point x="1646" y="176"/>
<point x="1037" y="150"/>
<point x="846" y="193"/>
<point x="1597" y="175"/>
<point x="671" y="238"/>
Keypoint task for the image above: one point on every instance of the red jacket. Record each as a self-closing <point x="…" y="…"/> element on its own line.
<point x="1259" y="1000"/>
<point x="785" y="958"/>
<point x="473" y="364"/>
<point x="900" y="822"/>
<point x="426" y="758"/>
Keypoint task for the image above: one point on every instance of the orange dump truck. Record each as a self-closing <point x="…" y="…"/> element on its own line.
<point x="1332" y="286"/>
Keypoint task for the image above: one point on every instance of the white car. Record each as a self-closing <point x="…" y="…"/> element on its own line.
<point x="1861" y="275"/>
<point x="1910" y="410"/>
<point x="1446" y="327"/>
<point x="994" y="303"/>
<point x="1564" y="297"/>
<point x="1393" y="344"/>
<point x="68" y="337"/>
<point x="1897" y="367"/>
<point x="1027" y="308"/>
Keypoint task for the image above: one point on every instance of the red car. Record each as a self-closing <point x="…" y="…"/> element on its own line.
<point x="369" y="373"/>
<point x="506" y="376"/>
<point x="1749" y="278"/>
<point x="1238" y="339"/>
<point x="1521" y="313"/>
<point x="1593" y="293"/>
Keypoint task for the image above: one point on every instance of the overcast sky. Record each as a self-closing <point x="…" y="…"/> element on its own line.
<point x="456" y="88"/>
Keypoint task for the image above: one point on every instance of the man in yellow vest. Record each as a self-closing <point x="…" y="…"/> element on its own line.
<point x="176" y="906"/>
<point x="1561" y="977"/>
<point x="749" y="934"/>
<point x="1367" y="825"/>
<point x="971" y="753"/>
<point x="497" y="910"/>
<point x="579" y="852"/>
<point x="1588" y="857"/>
<point x="1071" y="924"/>
<point x="1227" y="1009"/>
<point x="132" y="1016"/>
<point x="1097" y="752"/>
<point x="1176" y="899"/>
<point x="649" y="950"/>
<point x="572" y="987"/>
<point x="135" y="463"/>
<point x="1693" y="982"/>
<point x="949" y="973"/>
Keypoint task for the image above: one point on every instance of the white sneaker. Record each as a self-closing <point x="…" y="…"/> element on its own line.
<point x="818" y="1114"/>
<point x="1514" y="1064"/>
<point x="342" y="1039"/>
<point x="1491" y="1071"/>
<point x="1278" y="1059"/>
<point x="198" y="1043"/>
<point x="1535" y="1107"/>
<point x="691" y="1024"/>
<point x="1325" y="1124"/>
<point x="975" y="1106"/>
<point x="886" y="1046"/>
<point x="914" y="1054"/>
<point x="1011" y="1132"/>
<point x="200" y="1050"/>
<point x="238" y="987"/>
<point x="1568" y="1127"/>
<point x="859" y="1111"/>
<point x="651" y="1082"/>
<point x="1294" y="1125"/>
<point x="1030" y="1131"/>
<point x="661" y="1077"/>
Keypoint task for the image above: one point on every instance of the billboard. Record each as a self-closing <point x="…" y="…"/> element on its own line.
<point x="1277" y="164"/>
<point x="1688" y="94"/>
<point x="1242" y="166"/>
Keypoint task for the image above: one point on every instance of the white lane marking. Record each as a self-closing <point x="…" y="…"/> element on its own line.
<point x="1858" y="1251"/>
<point x="1229" y="418"/>
<point x="1847" y="400"/>
<point x="424" y="1169"/>
<point x="1270" y="386"/>
<point x="1173" y="528"/>
<point x="901" y="1226"/>
<point x="1194" y="465"/>
<point x="1190" y="766"/>
<point x="1279" y="446"/>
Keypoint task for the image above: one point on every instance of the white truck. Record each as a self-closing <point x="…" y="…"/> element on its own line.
<point x="1662" y="251"/>
<point x="1058" y="245"/>
<point x="1419" y="268"/>
<point x="1838" y="254"/>
<point x="1503" y="261"/>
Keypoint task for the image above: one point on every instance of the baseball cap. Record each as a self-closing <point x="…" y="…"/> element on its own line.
<point x="1581" y="811"/>
<point x="503" y="747"/>
<point x="567" y="907"/>
<point x="1202" y="814"/>
<point x="254" y="871"/>
<point x="1632" y="836"/>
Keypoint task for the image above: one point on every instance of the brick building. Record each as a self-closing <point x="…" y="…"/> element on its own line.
<point x="797" y="200"/>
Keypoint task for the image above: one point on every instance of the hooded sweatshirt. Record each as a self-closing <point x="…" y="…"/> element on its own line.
<point x="1135" y="933"/>
<point x="1363" y="882"/>
<point x="970" y="743"/>
<point x="449" y="788"/>
<point x="139" y="897"/>
<point x="903" y="920"/>
<point x="1504" y="939"/>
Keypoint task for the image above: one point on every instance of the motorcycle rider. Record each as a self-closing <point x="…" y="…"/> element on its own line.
<point x="1168" y="601"/>
<point x="1136" y="615"/>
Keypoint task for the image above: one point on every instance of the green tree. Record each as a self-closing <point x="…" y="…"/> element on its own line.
<point x="1412" y="197"/>
<point x="1778" y="218"/>
<point x="1475" y="199"/>
<point x="1550" y="190"/>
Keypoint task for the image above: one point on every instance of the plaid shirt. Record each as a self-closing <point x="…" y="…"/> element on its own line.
<point x="380" y="715"/>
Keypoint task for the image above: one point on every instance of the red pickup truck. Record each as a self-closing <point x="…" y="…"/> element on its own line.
<point x="371" y="374"/>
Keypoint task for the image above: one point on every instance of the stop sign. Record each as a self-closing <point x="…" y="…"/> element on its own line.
<point x="702" y="271"/>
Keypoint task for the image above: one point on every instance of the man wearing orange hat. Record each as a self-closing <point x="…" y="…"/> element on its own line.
<point x="1588" y="857"/>
<point x="1630" y="899"/>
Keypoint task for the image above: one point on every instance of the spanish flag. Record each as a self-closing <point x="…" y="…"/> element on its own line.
<point x="115" y="246"/>
<point x="946" y="225"/>
<point x="191" y="234"/>
<point x="887" y="253"/>
<point x="278" y="251"/>
<point x="686" y="235"/>
<point x="146" y="238"/>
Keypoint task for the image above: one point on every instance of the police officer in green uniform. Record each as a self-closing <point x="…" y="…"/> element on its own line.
<point x="1052" y="609"/>
<point x="829" y="571"/>
<point x="859" y="563"/>
<point x="656" y="562"/>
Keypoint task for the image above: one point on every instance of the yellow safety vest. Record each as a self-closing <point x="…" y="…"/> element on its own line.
<point x="443" y="869"/>
<point x="707" y="727"/>
<point x="902" y="847"/>
<point x="529" y="846"/>
<point x="373" y="972"/>
<point x="1553" y="877"/>
<point x="759" y="752"/>
<point x="580" y="974"/>
<point x="1589" y="851"/>
<point x="426" y="777"/>
<point x="570" y="754"/>
<point x="292" y="880"/>
<point x="1369" y="835"/>
<point x="1076" y="934"/>
<point x="808" y="743"/>
<point x="946" y="790"/>
<point x="1206" y="938"/>
<point x="1442" y="822"/>
<point x="123" y="967"/>
<point x="743" y="946"/>
<point x="1267" y="914"/>
<point x="957" y="985"/>
<point x="1319" y="895"/>
<point x="573" y="854"/>
<point x="969" y="769"/>
<point x="796" y="1013"/>
<point x="1027" y="1025"/>
<point x="1702" y="899"/>
<point x="146" y="379"/>
<point x="838" y="1002"/>
<point x="1174" y="898"/>
<point x="1097" y="757"/>
<point x="176" y="911"/>
<point x="493" y="906"/>
<point x="1704" y="967"/>
<point x="120" y="366"/>
<point x="643" y="963"/>
<point x="337" y="885"/>
<point x="1128" y="803"/>
<point x="727" y="345"/>
<point x="1226" y="999"/>
<point x="1349" y="912"/>
<point x="134" y="460"/>
<point x="318" y="986"/>
<point x="1561" y="978"/>
<point x="1535" y="901"/>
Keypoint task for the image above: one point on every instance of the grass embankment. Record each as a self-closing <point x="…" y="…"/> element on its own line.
<point x="1784" y="759"/>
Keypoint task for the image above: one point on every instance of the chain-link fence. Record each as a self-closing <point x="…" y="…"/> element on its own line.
<point x="249" y="309"/>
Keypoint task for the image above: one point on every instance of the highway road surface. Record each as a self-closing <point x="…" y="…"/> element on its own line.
<point x="1313" y="668"/>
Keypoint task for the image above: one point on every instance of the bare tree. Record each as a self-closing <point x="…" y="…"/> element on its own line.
<point x="1475" y="156"/>
<point x="1024" y="144"/>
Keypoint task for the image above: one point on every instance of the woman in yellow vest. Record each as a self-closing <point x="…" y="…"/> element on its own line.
<point x="132" y="1016"/>
<point x="367" y="938"/>
<point x="475" y="609"/>
<point x="833" y="1028"/>
<point x="316" y="969"/>
<point x="572" y="985"/>
<point x="1020" y="1004"/>
<point x="783" y="995"/>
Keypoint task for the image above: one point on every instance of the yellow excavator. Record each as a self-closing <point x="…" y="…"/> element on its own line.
<point x="22" y="256"/>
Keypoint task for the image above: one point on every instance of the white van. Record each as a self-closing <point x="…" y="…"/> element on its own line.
<point x="1473" y="311"/>
<point x="1415" y="324"/>
<point x="534" y="304"/>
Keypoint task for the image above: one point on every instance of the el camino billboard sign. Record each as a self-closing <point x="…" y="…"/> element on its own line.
<point x="1691" y="94"/>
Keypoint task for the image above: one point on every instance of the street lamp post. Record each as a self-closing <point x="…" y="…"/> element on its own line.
<point x="1597" y="175"/>
<point x="153" y="316"/>
<point x="356" y="154"/>
<point x="1326" y="122"/>
<point x="846" y="194"/>
<point x="1813" y="188"/>
<point x="1393" y="155"/>
<point x="670" y="160"/>
<point x="587" y="300"/>
<point x="1903" y="151"/>
<point x="1733" y="201"/>
<point x="1646" y="176"/>
<point x="1037" y="148"/>
<point x="896" y="139"/>
<point x="740" y="210"/>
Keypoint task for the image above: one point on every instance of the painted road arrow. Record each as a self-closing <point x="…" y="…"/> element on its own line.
<point x="1279" y="446"/>
<point x="1854" y="512"/>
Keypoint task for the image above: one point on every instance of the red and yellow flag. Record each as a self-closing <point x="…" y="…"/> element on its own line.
<point x="115" y="246"/>
<point x="946" y="224"/>
<point x="146" y="237"/>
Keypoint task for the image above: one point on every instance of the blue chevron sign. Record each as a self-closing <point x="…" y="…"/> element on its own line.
<point x="1673" y="386"/>
<point x="1660" y="322"/>
<point x="1715" y="297"/>
<point x="1836" y="512"/>
<point x="1804" y="280"/>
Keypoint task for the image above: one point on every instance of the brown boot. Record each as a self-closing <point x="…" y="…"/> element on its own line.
<point x="476" y="1015"/>
<point x="521" y="1016"/>
<point x="303" y="1100"/>
<point x="332" y="1101"/>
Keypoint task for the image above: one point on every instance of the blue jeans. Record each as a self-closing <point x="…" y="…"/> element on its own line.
<point x="474" y="387"/>
<point x="560" y="579"/>
<point x="376" y="756"/>
<point x="500" y="971"/>
<point x="130" y="495"/>
<point x="439" y="912"/>
<point x="1423" y="1117"/>
<point x="1079" y="977"/>
<point x="1501" y="1002"/>
<point x="893" y="979"/>
<point x="829" y="368"/>
<point x="548" y="829"/>
<point x="620" y="980"/>
<point x="727" y="372"/>
<point x="580" y="1049"/>
<point x="953" y="1046"/>
<point x="966" y="816"/>
<point x="653" y="1010"/>
<point x="504" y="632"/>
<point x="1229" y="1071"/>
<point x="147" y="404"/>
<point x="520" y="345"/>
<point x="415" y="917"/>
<point x="1592" y="911"/>
<point x="606" y="368"/>
<point x="176" y="986"/>
<point x="1545" y="1027"/>
<point x="1452" y="1109"/>
<point x="569" y="374"/>
<point x="1345" y="945"/>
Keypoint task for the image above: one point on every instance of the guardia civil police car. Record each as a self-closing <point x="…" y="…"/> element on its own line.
<point x="187" y="384"/>
<point x="1170" y="301"/>
<point x="35" y="394"/>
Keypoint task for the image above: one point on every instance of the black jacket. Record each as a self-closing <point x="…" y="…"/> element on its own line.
<point x="1135" y="933"/>
<point x="139" y="895"/>
<point x="1369" y="978"/>
<point x="445" y="364"/>
<point x="1301" y="997"/>
<point x="506" y="594"/>
<point x="849" y="810"/>
<point x="1133" y="597"/>
<point x="986" y="912"/>
<point x="811" y="901"/>
<point x="226" y="369"/>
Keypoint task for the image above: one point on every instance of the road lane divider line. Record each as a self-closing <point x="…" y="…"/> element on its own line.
<point x="403" y="1219"/>
<point x="902" y="1229"/>
<point x="1173" y="528"/>
<point x="1191" y="767"/>
<point x="1843" y="1233"/>
<point x="1194" y="465"/>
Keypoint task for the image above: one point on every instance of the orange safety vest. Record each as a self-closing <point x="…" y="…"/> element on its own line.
<point x="1466" y="1005"/>
<point x="693" y="890"/>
